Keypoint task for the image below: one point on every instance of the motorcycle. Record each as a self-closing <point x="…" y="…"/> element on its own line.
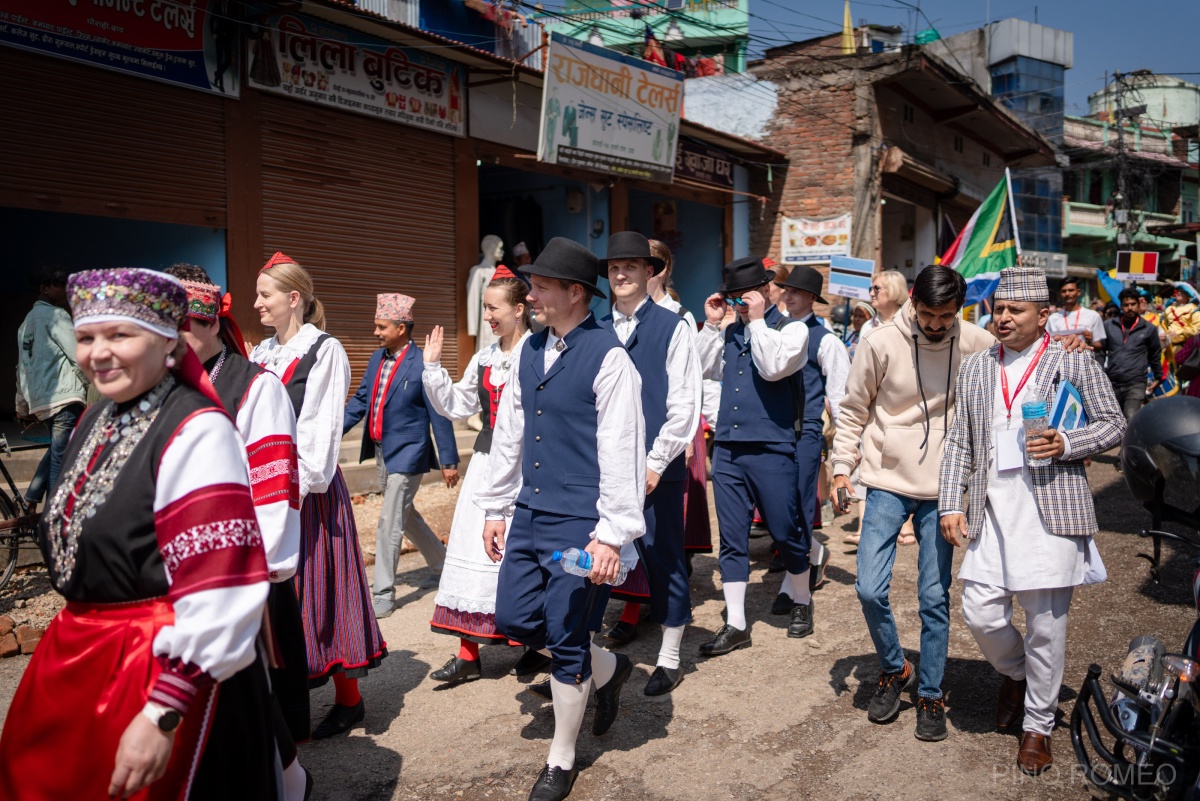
<point x="1152" y="717"/>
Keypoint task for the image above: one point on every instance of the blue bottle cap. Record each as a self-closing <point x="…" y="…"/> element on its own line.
<point x="556" y="556"/>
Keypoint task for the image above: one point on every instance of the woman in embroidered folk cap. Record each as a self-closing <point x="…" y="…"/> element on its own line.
<point x="341" y="634"/>
<point x="162" y="566"/>
<point x="465" y="606"/>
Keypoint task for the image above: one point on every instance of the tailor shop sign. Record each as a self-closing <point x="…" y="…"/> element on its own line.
<point x="608" y="112"/>
<point x="190" y="43"/>
<point x="703" y="164"/>
<point x="305" y="58"/>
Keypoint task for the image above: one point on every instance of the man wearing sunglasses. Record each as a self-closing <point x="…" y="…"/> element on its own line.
<point x="758" y="359"/>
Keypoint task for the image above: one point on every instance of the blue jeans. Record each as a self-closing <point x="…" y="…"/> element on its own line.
<point x="884" y="515"/>
<point x="45" y="478"/>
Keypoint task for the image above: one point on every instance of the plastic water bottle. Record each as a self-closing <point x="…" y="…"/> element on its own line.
<point x="1035" y="417"/>
<point x="579" y="563"/>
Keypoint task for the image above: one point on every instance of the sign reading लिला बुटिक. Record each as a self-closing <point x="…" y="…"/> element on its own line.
<point x="190" y="43"/>
<point x="608" y="112"/>
<point x="305" y="58"/>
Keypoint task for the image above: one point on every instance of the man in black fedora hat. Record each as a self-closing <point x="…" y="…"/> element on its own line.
<point x="758" y="359"/>
<point x="824" y="377"/>
<point x="562" y="468"/>
<point x="660" y="343"/>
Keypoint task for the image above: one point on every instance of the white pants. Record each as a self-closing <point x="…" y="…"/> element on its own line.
<point x="1037" y="657"/>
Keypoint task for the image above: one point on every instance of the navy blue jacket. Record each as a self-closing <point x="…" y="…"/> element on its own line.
<point x="814" y="379"/>
<point x="407" y="416"/>
<point x="648" y="346"/>
<point x="753" y="409"/>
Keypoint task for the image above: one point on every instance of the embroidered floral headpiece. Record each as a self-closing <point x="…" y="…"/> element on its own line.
<point x="204" y="300"/>
<point x="155" y="301"/>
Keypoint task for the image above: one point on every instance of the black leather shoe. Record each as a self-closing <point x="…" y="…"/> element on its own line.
<point x="664" y="680"/>
<point x="531" y="662"/>
<point x="553" y="784"/>
<point x="340" y="718"/>
<point x="776" y="565"/>
<point x="802" y="620"/>
<point x="689" y="563"/>
<point x="541" y="690"/>
<point x="608" y="697"/>
<point x="621" y="633"/>
<point x="308" y="783"/>
<point x="458" y="670"/>
<point x="783" y="604"/>
<point x="728" y="639"/>
<point x="816" y="573"/>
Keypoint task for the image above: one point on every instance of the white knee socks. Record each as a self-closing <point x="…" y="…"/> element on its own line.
<point x="294" y="781"/>
<point x="604" y="665"/>
<point x="735" y="603"/>
<point x="668" y="654"/>
<point x="570" y="702"/>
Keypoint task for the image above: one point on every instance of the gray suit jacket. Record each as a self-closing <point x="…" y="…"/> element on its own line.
<point x="1061" y="488"/>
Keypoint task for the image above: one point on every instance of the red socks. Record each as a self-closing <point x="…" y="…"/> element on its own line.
<point x="468" y="651"/>
<point x="345" y="691"/>
<point x="632" y="613"/>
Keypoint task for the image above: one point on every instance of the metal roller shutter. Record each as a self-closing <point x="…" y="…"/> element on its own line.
<point x="83" y="140"/>
<point x="366" y="206"/>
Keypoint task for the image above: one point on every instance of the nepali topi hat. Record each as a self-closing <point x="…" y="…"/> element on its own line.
<point x="745" y="273"/>
<point x="631" y="245"/>
<point x="394" y="306"/>
<point x="1025" y="284"/>
<point x="566" y="260"/>
<point x="805" y="278"/>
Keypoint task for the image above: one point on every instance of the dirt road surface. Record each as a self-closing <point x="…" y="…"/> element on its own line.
<point x="783" y="719"/>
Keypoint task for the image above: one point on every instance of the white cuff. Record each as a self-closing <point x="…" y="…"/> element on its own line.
<point x="656" y="464"/>
<point x="951" y="512"/>
<point x="432" y="367"/>
<point x="493" y="516"/>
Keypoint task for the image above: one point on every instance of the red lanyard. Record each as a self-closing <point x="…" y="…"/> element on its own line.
<point x="1070" y="327"/>
<point x="1125" y="334"/>
<point x="1037" y="357"/>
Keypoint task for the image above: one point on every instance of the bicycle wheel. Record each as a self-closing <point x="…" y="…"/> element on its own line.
<point x="8" y="541"/>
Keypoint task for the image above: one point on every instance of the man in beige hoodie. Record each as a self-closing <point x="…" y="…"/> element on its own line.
<point x="898" y="404"/>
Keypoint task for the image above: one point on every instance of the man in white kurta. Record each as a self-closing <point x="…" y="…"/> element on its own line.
<point x="1029" y="540"/>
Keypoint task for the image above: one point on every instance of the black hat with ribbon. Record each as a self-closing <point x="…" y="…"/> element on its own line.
<point x="631" y="245"/>
<point x="566" y="260"/>
<point x="805" y="278"/>
<point x="745" y="273"/>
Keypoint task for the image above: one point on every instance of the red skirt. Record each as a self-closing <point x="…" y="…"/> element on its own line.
<point x="697" y="532"/>
<point x="89" y="677"/>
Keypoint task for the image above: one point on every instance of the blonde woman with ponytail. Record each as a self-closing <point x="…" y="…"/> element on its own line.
<point x="342" y="638"/>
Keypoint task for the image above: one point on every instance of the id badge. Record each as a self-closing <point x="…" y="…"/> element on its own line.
<point x="1010" y="449"/>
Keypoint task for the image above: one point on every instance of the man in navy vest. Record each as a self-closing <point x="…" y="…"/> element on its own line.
<point x="824" y="379"/>
<point x="660" y="343"/>
<point x="563" y="469"/>
<point x="758" y="359"/>
<point x="391" y="397"/>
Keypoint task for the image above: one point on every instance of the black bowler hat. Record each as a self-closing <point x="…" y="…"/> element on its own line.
<point x="746" y="273"/>
<point x="631" y="245"/>
<point x="806" y="278"/>
<point x="567" y="260"/>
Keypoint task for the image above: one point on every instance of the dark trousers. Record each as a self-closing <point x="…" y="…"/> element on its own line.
<point x="808" y="468"/>
<point x="661" y="551"/>
<point x="1130" y="397"/>
<point x="749" y="475"/>
<point x="45" y="478"/>
<point x="540" y="605"/>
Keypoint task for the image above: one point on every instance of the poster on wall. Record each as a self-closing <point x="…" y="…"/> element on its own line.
<point x="305" y="58"/>
<point x="806" y="241"/>
<point x="607" y="112"/>
<point x="190" y="43"/>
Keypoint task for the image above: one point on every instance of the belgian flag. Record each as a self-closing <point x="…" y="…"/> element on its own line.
<point x="1137" y="265"/>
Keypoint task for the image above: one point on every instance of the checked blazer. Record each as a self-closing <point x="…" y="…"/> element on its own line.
<point x="1060" y="488"/>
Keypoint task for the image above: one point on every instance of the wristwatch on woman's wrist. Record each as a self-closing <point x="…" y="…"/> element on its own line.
<point x="165" y="718"/>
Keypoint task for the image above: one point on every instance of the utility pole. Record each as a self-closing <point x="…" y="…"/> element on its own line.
<point x="1125" y="224"/>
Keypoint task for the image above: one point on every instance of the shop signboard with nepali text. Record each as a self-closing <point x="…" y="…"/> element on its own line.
<point x="608" y="112"/>
<point x="704" y="164"/>
<point x="190" y="43"/>
<point x="804" y="241"/>
<point x="305" y="58"/>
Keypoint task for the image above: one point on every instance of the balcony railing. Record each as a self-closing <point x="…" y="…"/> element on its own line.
<point x="1088" y="215"/>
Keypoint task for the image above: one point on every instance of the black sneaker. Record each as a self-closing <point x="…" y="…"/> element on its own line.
<point x="931" y="719"/>
<point x="885" y="703"/>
